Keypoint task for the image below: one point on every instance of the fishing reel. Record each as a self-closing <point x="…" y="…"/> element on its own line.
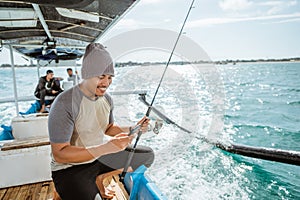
<point x="157" y="126"/>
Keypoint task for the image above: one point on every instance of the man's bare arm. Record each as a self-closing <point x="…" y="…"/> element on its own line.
<point x="66" y="153"/>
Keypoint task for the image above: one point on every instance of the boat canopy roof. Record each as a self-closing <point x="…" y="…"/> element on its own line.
<point x="61" y="23"/>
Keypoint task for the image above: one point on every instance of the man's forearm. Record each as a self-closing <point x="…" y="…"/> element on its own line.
<point x="113" y="130"/>
<point x="125" y="129"/>
<point x="73" y="154"/>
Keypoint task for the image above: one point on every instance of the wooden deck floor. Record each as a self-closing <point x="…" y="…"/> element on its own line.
<point x="44" y="191"/>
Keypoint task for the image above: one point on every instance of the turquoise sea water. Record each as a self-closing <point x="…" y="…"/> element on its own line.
<point x="264" y="110"/>
<point x="261" y="108"/>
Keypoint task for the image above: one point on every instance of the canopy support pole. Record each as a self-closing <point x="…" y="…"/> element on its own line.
<point x="14" y="79"/>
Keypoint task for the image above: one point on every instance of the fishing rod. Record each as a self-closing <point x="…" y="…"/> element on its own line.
<point x="131" y="151"/>
<point x="277" y="155"/>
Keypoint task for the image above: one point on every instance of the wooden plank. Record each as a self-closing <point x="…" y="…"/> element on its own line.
<point x="44" y="190"/>
<point x="107" y="184"/>
<point x="118" y="195"/>
<point x="8" y="193"/>
<point x="2" y="192"/>
<point x="15" y="192"/>
<point x="112" y="183"/>
<point x="121" y="192"/>
<point x="122" y="187"/>
<point x="50" y="190"/>
<point x="19" y="144"/>
<point x="11" y="193"/>
<point x="30" y="192"/>
<point x="36" y="193"/>
<point x="22" y="192"/>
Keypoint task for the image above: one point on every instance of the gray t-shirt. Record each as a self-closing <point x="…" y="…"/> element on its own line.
<point x="78" y="119"/>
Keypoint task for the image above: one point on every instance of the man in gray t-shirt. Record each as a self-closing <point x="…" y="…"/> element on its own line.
<point x="78" y="122"/>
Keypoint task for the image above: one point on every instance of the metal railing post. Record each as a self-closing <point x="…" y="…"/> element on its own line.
<point x="14" y="79"/>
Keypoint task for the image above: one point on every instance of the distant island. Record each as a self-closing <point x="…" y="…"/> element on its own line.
<point x="221" y="62"/>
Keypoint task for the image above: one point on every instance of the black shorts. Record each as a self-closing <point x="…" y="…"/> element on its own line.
<point x="79" y="181"/>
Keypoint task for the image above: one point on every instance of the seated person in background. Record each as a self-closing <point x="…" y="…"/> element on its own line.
<point x="47" y="86"/>
<point x="73" y="77"/>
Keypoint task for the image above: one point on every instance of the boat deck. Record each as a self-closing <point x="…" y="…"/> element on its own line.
<point x="45" y="190"/>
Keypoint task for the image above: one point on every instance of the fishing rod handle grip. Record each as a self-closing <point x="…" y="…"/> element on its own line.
<point x="137" y="139"/>
<point x="131" y="152"/>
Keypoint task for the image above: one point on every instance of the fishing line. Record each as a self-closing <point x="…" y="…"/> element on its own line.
<point x="162" y="77"/>
<point x="277" y="155"/>
<point x="153" y="99"/>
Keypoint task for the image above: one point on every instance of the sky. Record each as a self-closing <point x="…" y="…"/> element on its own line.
<point x="225" y="29"/>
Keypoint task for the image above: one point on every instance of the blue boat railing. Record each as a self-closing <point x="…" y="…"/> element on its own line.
<point x="140" y="186"/>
